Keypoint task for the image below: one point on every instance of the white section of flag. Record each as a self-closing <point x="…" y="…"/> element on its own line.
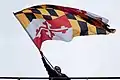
<point x="36" y="23"/>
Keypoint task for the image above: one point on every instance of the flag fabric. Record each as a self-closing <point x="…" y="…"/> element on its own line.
<point x="52" y="22"/>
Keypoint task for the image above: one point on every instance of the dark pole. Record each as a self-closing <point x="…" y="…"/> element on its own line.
<point x="48" y="62"/>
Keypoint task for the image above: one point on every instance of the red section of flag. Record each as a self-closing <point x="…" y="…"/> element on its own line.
<point x="40" y="39"/>
<point x="58" y="22"/>
<point x="41" y="35"/>
<point x="46" y="31"/>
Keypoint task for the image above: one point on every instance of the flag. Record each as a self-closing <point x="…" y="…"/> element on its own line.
<point x="52" y="22"/>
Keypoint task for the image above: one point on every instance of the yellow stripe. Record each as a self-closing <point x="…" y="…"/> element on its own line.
<point x="27" y="11"/>
<point x="79" y="18"/>
<point x="91" y="29"/>
<point x="59" y="13"/>
<point x="23" y="19"/>
<point x="38" y="16"/>
<point x="43" y="11"/>
<point x="75" y="27"/>
<point x="44" y="6"/>
<point x="54" y="17"/>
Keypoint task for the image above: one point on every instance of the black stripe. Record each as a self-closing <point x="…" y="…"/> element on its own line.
<point x="89" y="19"/>
<point x="70" y="16"/>
<point x="30" y="16"/>
<point x="38" y="6"/>
<point x="47" y="17"/>
<point x="35" y="11"/>
<point x="18" y="12"/>
<point x="84" y="28"/>
<point x="51" y="6"/>
<point x="20" y="78"/>
<point x="52" y="12"/>
<point x="100" y="31"/>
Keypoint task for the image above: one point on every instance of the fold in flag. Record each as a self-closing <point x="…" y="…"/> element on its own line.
<point x="52" y="22"/>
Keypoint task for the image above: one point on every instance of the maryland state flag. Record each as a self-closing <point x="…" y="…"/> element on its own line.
<point x="52" y="22"/>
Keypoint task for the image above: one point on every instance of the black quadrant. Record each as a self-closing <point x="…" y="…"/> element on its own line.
<point x="52" y="12"/>
<point x="47" y="17"/>
<point x="30" y="16"/>
<point x="38" y="6"/>
<point x="83" y="27"/>
<point x="70" y="16"/>
<point x="35" y="11"/>
<point x="18" y="12"/>
<point x="100" y="31"/>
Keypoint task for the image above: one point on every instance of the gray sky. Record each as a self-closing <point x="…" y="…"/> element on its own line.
<point x="83" y="56"/>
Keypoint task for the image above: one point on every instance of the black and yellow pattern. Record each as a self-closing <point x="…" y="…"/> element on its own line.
<point x="27" y="15"/>
<point x="50" y="12"/>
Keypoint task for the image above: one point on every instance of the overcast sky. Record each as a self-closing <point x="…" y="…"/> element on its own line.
<point x="84" y="56"/>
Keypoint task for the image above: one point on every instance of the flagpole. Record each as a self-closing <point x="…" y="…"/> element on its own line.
<point x="48" y="61"/>
<point x="50" y="64"/>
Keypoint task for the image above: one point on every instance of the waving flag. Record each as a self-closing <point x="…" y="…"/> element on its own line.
<point x="52" y="22"/>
